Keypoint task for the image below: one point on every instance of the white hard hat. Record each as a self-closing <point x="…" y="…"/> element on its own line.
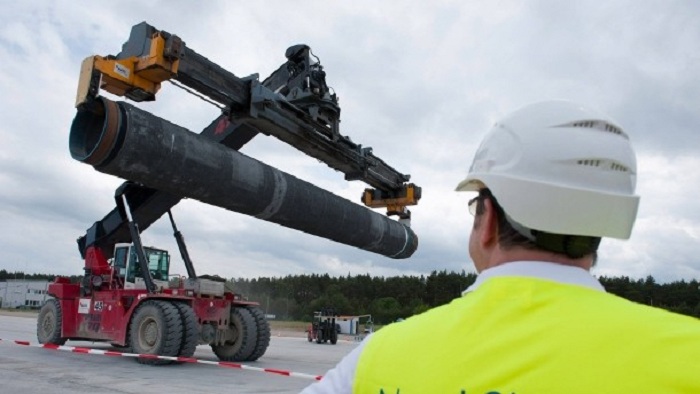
<point x="560" y="168"/>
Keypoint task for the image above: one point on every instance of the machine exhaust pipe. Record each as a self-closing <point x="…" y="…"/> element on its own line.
<point x="119" y="139"/>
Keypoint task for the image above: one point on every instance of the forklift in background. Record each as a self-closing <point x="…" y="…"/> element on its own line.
<point x="324" y="328"/>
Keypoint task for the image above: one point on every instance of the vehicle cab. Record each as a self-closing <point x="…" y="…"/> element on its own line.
<point x="127" y="267"/>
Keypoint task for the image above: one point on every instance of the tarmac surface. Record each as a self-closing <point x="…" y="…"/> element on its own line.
<point x="31" y="370"/>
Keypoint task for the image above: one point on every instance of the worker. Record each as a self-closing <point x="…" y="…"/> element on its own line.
<point x="551" y="180"/>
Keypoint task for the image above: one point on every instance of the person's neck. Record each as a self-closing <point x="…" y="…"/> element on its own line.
<point x="500" y="256"/>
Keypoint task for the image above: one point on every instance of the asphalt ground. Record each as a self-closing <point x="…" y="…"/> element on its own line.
<point x="31" y="370"/>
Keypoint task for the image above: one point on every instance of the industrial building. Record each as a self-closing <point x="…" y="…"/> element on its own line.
<point x="350" y="325"/>
<point x="22" y="293"/>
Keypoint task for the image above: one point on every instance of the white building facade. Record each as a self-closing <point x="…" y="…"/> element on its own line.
<point x="23" y="293"/>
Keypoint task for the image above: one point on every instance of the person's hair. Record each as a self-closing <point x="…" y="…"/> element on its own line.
<point x="572" y="246"/>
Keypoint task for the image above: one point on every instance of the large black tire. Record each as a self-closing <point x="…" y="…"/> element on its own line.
<point x="49" y="323"/>
<point x="156" y="328"/>
<point x="263" y="333"/>
<point x="243" y="345"/>
<point x="334" y="336"/>
<point x="190" y="330"/>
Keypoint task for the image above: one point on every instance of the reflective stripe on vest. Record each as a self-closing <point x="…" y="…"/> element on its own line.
<point x="525" y="335"/>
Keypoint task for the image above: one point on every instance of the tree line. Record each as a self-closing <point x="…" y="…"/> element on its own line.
<point x="389" y="298"/>
<point x="296" y="297"/>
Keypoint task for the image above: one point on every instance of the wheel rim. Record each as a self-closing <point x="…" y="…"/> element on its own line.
<point x="148" y="333"/>
<point x="233" y="346"/>
<point x="48" y="324"/>
<point x="236" y="327"/>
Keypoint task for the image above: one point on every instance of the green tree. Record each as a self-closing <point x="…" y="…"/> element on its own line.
<point x="385" y="310"/>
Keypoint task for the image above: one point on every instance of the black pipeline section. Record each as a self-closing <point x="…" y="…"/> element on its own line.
<point x="122" y="140"/>
<point x="148" y="204"/>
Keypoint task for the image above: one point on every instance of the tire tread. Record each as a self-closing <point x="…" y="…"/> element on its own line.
<point x="248" y="337"/>
<point x="55" y="337"/>
<point x="170" y="326"/>
<point x="263" y="333"/>
<point x="190" y="334"/>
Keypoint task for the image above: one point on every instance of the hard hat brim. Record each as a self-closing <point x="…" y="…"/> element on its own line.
<point x="595" y="213"/>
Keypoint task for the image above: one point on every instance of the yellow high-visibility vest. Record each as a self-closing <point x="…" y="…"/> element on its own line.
<point x="527" y="335"/>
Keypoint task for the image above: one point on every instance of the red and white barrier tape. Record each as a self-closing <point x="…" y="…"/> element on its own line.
<point x="225" y="364"/>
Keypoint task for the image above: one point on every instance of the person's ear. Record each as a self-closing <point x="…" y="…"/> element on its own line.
<point x="488" y="236"/>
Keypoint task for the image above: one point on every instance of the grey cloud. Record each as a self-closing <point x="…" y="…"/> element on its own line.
<point x="420" y="82"/>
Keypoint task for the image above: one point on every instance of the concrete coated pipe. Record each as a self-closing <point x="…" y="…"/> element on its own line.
<point x="122" y="140"/>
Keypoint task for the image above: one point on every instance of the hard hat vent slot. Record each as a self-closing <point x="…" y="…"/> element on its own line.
<point x="603" y="164"/>
<point x="598" y="125"/>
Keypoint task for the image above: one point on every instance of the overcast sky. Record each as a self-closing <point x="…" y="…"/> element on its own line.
<point x="419" y="81"/>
